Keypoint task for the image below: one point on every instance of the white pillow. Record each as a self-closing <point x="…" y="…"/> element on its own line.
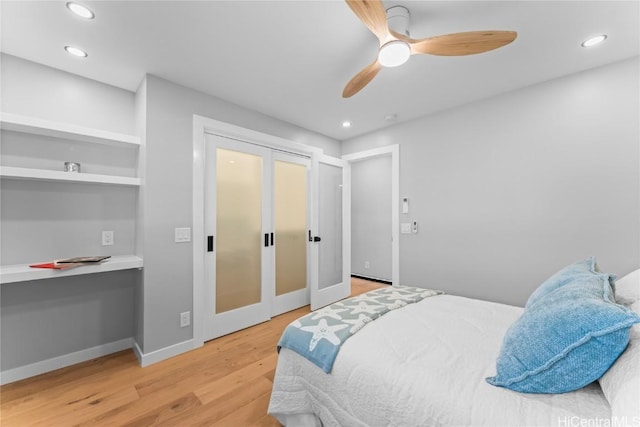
<point x="628" y="288"/>
<point x="621" y="383"/>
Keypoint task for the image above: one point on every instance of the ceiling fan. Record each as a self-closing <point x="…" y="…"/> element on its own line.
<point x="396" y="48"/>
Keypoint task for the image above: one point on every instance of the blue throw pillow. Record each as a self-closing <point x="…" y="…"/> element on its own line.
<point x="584" y="268"/>
<point x="567" y="337"/>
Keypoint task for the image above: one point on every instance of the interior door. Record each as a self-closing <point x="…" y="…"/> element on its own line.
<point x="290" y="227"/>
<point x="238" y="288"/>
<point x="274" y="229"/>
<point x="331" y="280"/>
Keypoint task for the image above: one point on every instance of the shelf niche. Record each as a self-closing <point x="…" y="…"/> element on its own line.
<point x="62" y="217"/>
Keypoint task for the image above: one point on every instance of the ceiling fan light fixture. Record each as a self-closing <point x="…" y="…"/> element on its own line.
<point x="394" y="53"/>
<point x="592" y="41"/>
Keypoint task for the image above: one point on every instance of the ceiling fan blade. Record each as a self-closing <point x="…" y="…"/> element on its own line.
<point x="361" y="79"/>
<point x="373" y="15"/>
<point x="459" y="44"/>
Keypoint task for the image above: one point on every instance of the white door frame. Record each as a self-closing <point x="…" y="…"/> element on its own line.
<point x="394" y="152"/>
<point x="202" y="125"/>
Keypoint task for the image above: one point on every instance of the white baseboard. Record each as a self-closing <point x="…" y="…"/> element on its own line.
<point x="37" y="368"/>
<point x="150" y="358"/>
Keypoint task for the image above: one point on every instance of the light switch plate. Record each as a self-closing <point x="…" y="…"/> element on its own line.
<point x="182" y="235"/>
<point x="405" y="228"/>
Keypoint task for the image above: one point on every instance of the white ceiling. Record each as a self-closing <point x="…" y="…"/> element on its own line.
<point x="291" y="59"/>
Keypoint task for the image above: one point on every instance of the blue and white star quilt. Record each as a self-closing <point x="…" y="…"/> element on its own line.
<point x="319" y="335"/>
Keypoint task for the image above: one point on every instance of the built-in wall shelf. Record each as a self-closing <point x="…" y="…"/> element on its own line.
<point x="48" y="213"/>
<point x="23" y="273"/>
<point x="37" y="126"/>
<point x="106" y="151"/>
<point x="11" y="172"/>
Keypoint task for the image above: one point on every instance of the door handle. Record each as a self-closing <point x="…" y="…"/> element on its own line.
<point x="266" y="240"/>
<point x="310" y="238"/>
<point x="316" y="238"/>
<point x="209" y="243"/>
<point x="271" y="239"/>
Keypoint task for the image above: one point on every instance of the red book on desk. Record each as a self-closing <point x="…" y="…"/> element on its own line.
<point x="63" y="264"/>
<point x="54" y="266"/>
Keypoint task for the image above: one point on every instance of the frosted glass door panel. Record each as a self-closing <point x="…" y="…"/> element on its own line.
<point x="290" y="222"/>
<point x="239" y="225"/>
<point x="330" y="225"/>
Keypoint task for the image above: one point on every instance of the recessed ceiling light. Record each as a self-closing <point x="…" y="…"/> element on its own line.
<point x="80" y="10"/>
<point x="75" y="51"/>
<point x="346" y="124"/>
<point x="391" y="117"/>
<point x="594" y="40"/>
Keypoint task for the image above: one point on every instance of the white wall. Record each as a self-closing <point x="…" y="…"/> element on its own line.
<point x="140" y="119"/>
<point x="39" y="91"/>
<point x="510" y="189"/>
<point x="167" y="197"/>
<point x="47" y="319"/>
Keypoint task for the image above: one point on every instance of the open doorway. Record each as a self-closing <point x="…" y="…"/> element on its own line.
<point x="373" y="213"/>
<point x="371" y="238"/>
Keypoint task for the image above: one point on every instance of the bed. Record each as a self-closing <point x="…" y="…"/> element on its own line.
<point x="426" y="364"/>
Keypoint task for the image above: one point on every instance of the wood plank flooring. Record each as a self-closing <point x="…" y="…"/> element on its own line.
<point x="227" y="382"/>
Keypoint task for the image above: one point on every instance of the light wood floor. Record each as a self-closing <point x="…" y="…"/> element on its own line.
<point x="227" y="382"/>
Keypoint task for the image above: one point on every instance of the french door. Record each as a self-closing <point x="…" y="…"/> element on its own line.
<point x="331" y="280"/>
<point x="236" y="218"/>
<point x="257" y="227"/>
<point x="291" y="225"/>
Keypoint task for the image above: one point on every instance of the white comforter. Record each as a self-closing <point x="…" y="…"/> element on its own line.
<point x="423" y="365"/>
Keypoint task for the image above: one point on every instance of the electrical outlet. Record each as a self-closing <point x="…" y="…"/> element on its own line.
<point x="107" y="238"/>
<point x="366" y="264"/>
<point x="185" y="319"/>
